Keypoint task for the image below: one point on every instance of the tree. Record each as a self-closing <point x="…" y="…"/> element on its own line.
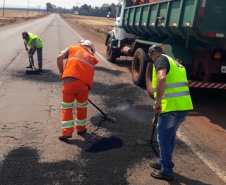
<point x="84" y="10"/>
<point x="49" y="7"/>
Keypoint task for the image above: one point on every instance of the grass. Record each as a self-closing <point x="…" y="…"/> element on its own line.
<point x="16" y="13"/>
<point x="14" y="16"/>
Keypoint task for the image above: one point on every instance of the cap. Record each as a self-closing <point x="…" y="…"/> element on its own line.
<point x="25" y="34"/>
<point x="88" y="44"/>
<point x="156" y="47"/>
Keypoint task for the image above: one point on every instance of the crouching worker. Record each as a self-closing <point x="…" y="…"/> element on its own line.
<point x="34" y="43"/>
<point x="77" y="77"/>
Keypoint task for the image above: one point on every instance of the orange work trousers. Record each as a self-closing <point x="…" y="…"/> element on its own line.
<point x="79" y="91"/>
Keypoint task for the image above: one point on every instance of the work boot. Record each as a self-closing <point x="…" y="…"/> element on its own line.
<point x="63" y="137"/>
<point x="155" y="165"/>
<point x="29" y="66"/>
<point x="82" y="132"/>
<point x="157" y="174"/>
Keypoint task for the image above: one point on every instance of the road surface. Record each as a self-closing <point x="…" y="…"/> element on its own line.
<point x="108" y="154"/>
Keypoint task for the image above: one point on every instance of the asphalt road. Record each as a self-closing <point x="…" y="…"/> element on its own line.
<point x="108" y="154"/>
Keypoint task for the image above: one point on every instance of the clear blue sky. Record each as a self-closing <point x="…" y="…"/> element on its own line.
<point x="60" y="3"/>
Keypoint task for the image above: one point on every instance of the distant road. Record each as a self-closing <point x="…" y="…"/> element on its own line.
<point x="12" y="43"/>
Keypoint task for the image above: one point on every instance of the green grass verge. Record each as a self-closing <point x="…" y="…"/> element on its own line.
<point x="101" y="35"/>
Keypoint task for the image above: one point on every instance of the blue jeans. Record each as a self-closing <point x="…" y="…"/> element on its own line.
<point x="167" y="126"/>
<point x="39" y="56"/>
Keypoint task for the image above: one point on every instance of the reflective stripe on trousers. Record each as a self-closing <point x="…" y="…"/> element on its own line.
<point x="68" y="124"/>
<point x="65" y="105"/>
<point x="81" y="106"/>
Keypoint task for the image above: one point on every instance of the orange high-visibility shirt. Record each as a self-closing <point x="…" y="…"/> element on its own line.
<point x="80" y="64"/>
<point x="153" y="1"/>
<point x="140" y="3"/>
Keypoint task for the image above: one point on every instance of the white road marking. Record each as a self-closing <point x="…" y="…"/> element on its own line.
<point x="215" y="168"/>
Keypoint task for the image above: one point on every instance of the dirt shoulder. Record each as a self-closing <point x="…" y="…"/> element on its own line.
<point x="12" y="16"/>
<point x="98" y="25"/>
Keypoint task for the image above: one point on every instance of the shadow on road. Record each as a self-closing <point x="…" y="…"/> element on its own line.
<point x="98" y="144"/>
<point x="45" y="76"/>
<point x="124" y="62"/>
<point x="183" y="180"/>
<point x="21" y="166"/>
<point x="209" y="103"/>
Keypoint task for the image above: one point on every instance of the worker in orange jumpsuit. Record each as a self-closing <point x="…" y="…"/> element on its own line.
<point x="138" y="2"/>
<point x="77" y="77"/>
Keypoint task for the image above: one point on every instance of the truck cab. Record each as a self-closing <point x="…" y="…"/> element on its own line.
<point x="118" y="37"/>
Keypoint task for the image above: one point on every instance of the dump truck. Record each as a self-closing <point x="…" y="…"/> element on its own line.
<point x="193" y="32"/>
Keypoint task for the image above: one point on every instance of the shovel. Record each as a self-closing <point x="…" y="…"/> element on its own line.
<point x="33" y="69"/>
<point x="106" y="117"/>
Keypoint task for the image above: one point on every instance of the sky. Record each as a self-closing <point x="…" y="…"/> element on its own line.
<point x="59" y="3"/>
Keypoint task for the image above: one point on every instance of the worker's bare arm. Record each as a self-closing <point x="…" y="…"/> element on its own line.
<point x="33" y="50"/>
<point x="25" y="46"/>
<point x="60" y="60"/>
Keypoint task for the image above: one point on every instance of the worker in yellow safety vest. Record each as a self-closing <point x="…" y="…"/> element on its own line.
<point x="77" y="77"/>
<point x="34" y="43"/>
<point x="172" y="102"/>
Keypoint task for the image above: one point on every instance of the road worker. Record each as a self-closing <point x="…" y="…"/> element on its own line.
<point x="34" y="43"/>
<point x="172" y="102"/>
<point x="77" y="77"/>
<point x="138" y="2"/>
<point x="154" y="1"/>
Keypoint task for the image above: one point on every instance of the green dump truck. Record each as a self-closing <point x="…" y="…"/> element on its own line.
<point x="193" y="32"/>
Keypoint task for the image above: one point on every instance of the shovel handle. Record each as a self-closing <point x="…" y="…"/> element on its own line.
<point x="156" y="119"/>
<point x="97" y="108"/>
<point x="154" y="127"/>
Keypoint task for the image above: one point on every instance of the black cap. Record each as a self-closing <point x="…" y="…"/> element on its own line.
<point x="156" y="47"/>
<point x="25" y="34"/>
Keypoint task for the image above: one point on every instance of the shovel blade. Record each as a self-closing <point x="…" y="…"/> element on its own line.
<point x="143" y="142"/>
<point x="30" y="72"/>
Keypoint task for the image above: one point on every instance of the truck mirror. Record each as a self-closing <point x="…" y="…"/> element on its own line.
<point x="108" y="12"/>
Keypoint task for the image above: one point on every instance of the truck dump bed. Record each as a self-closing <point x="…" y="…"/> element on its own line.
<point x="204" y="20"/>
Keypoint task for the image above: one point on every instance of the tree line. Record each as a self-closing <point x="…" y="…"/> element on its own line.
<point x="85" y="9"/>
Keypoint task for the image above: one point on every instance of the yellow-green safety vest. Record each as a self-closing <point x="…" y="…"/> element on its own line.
<point x="176" y="95"/>
<point x="38" y="41"/>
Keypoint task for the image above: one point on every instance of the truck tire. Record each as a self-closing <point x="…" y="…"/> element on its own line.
<point x="139" y="65"/>
<point x="148" y="79"/>
<point x="111" y="57"/>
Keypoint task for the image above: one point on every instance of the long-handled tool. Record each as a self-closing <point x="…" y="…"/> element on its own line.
<point x="33" y="69"/>
<point x="149" y="142"/>
<point x="106" y="117"/>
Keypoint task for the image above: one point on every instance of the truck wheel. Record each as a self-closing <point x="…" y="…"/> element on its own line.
<point x="148" y="79"/>
<point x="139" y="65"/>
<point x="111" y="57"/>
